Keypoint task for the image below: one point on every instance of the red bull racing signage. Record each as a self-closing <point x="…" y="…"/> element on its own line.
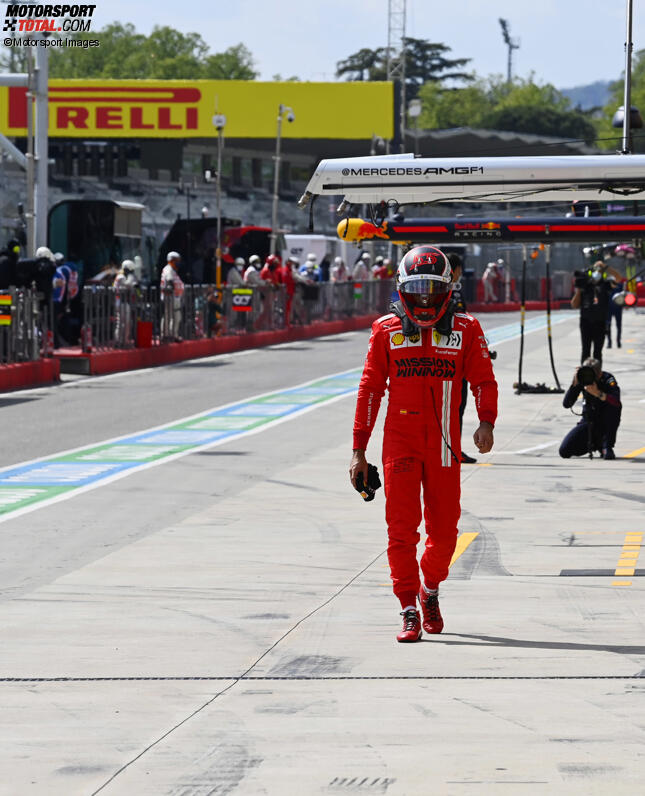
<point x="185" y="109"/>
<point x="521" y="230"/>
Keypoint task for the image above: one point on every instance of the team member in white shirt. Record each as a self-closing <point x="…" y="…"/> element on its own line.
<point x="172" y="290"/>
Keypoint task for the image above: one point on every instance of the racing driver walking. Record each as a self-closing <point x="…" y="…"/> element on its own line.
<point x="421" y="352"/>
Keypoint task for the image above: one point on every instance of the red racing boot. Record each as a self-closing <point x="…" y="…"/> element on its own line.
<point x="411" y="626"/>
<point x="432" y="619"/>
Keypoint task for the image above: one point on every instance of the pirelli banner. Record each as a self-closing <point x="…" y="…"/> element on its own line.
<point x="185" y="109"/>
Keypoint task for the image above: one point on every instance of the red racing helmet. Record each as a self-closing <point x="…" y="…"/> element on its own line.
<point x="273" y="261"/>
<point x="424" y="282"/>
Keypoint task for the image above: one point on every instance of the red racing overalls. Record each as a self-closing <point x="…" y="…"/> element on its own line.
<point x="422" y="440"/>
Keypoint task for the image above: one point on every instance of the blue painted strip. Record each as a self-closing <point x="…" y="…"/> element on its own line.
<point x="22" y="487"/>
<point x="501" y="334"/>
<point x="60" y="474"/>
<point x="176" y="437"/>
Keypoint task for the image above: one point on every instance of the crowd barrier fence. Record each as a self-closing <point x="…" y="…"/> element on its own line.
<point x="128" y="317"/>
<point x="25" y="329"/>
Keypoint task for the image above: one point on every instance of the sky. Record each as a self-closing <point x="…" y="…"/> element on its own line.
<point x="564" y="42"/>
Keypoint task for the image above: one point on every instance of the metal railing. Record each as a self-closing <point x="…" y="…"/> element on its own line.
<point x="24" y="326"/>
<point x="125" y="317"/>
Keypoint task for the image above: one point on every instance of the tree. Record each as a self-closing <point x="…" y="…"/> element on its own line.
<point x="235" y="63"/>
<point x="120" y="52"/>
<point x="424" y="61"/>
<point x="365" y="64"/>
<point x="522" y="91"/>
<point x="164" y="54"/>
<point x="541" y="121"/>
<point x="13" y="59"/>
<point x="522" y="106"/>
<point x="610" y="137"/>
<point x="173" y="55"/>
<point x="446" y="108"/>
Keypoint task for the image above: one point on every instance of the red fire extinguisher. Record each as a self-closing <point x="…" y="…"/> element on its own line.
<point x="86" y="338"/>
<point x="49" y="343"/>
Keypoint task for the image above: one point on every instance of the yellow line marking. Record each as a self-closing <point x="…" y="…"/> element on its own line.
<point x="630" y="350"/>
<point x="462" y="543"/>
<point x="634" y="453"/>
<point x="628" y="557"/>
<point x="485" y="464"/>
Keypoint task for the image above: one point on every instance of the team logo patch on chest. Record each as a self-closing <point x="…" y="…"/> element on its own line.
<point x="452" y="340"/>
<point x="440" y="367"/>
<point x="399" y="340"/>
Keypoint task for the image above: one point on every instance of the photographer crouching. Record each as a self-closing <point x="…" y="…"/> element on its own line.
<point x="600" y="412"/>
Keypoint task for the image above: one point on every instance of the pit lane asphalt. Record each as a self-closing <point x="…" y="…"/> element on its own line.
<point x="256" y="559"/>
<point x="83" y="410"/>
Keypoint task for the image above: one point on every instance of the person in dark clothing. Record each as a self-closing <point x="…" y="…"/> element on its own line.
<point x="615" y="311"/>
<point x="591" y="296"/>
<point x="600" y="413"/>
<point x="8" y="261"/>
<point x="325" y="265"/>
<point x="459" y="305"/>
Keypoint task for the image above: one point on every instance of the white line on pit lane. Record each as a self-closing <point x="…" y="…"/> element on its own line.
<point x="85" y="380"/>
<point x="517" y="336"/>
<point x="527" y="450"/>
<point x="296" y="343"/>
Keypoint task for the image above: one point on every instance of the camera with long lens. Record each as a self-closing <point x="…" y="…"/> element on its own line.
<point x="581" y="279"/>
<point x="586" y="375"/>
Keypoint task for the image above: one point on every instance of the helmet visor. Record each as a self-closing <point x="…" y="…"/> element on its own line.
<point x="422" y="302"/>
<point x="426" y="286"/>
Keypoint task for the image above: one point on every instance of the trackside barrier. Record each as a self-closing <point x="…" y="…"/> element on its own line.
<point x="118" y="317"/>
<point x="24" y="328"/>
